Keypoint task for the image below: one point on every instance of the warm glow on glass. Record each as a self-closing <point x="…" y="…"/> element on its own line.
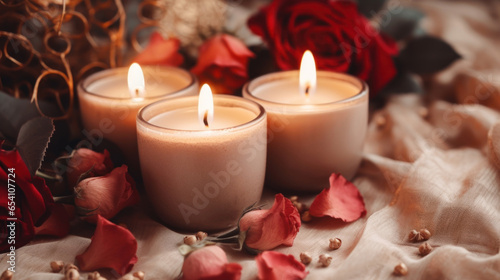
<point x="307" y="75"/>
<point x="136" y="84"/>
<point x="206" y="106"/>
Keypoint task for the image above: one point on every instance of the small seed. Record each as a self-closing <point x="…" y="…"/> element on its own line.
<point x="306" y="217"/>
<point x="190" y="240"/>
<point x="425" y="249"/>
<point x="72" y="274"/>
<point x="325" y="260"/>
<point x="69" y="266"/>
<point x="380" y="120"/>
<point x="423" y="112"/>
<point x="140" y="274"/>
<point x="56" y="266"/>
<point x="94" y="276"/>
<point x="7" y="275"/>
<point x="294" y="198"/>
<point x="425" y="234"/>
<point x="400" y="269"/>
<point x="127" y="277"/>
<point x="414" y="236"/>
<point x="200" y="235"/>
<point x="335" y="243"/>
<point x="305" y="258"/>
<point x="299" y="206"/>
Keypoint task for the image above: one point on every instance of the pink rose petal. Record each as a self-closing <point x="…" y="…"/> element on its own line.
<point x="112" y="246"/>
<point x="341" y="201"/>
<point x="275" y="265"/>
<point x="160" y="51"/>
<point x="208" y="263"/>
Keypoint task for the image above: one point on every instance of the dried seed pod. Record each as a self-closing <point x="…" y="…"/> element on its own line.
<point x="72" y="274"/>
<point x="306" y="217"/>
<point x="414" y="236"/>
<point x="294" y="198"/>
<point x="425" y="234"/>
<point x="56" y="266"/>
<point x="7" y="275"/>
<point x="190" y="239"/>
<point x="305" y="258"/>
<point x="69" y="266"/>
<point x="325" y="260"/>
<point x="335" y="243"/>
<point x="200" y="235"/>
<point x="139" y="274"/>
<point x="94" y="276"/>
<point x="400" y="269"/>
<point x="425" y="249"/>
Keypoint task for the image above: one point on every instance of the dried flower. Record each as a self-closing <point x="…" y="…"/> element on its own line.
<point x="139" y="274"/>
<point x="414" y="236"/>
<point x="425" y="234"/>
<point x="306" y="217"/>
<point x="335" y="243"/>
<point x="72" y="274"/>
<point x="190" y="239"/>
<point x="56" y="266"/>
<point x="305" y="258"/>
<point x="84" y="160"/>
<point x="200" y="235"/>
<point x="7" y="275"/>
<point x="425" y="249"/>
<point x="325" y="260"/>
<point x="400" y="269"/>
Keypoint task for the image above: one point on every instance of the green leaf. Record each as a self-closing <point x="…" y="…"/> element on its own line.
<point x="370" y="7"/>
<point x="427" y="55"/>
<point x="400" y="24"/>
<point x="32" y="141"/>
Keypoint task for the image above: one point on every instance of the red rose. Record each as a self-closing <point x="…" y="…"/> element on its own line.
<point x="23" y="198"/>
<point x="106" y="195"/>
<point x="267" y="229"/>
<point x="222" y="63"/>
<point x="340" y="38"/>
<point x="85" y="160"/>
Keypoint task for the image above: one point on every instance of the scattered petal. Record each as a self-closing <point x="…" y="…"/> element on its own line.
<point x="341" y="201"/>
<point x="275" y="265"/>
<point x="208" y="263"/>
<point x="112" y="246"/>
<point x="58" y="222"/>
<point x="160" y="51"/>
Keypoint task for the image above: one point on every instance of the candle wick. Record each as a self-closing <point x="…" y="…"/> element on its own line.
<point x="308" y="87"/>
<point x="136" y="92"/>
<point x="205" y="118"/>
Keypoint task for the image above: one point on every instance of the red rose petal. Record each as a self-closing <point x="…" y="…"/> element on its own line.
<point x="160" y="51"/>
<point x="58" y="222"/>
<point x="209" y="263"/>
<point x="112" y="246"/>
<point x="341" y="201"/>
<point x="275" y="265"/>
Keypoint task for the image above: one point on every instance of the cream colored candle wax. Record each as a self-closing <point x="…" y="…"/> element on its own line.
<point x="109" y="109"/>
<point x="201" y="177"/>
<point x="310" y="137"/>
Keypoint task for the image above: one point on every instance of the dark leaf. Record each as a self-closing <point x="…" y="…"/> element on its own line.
<point x="400" y="24"/>
<point x="404" y="82"/>
<point x="15" y="112"/>
<point x="369" y="8"/>
<point x="32" y="141"/>
<point x="427" y="54"/>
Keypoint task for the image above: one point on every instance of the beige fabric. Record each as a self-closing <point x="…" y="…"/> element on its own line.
<point x="428" y="164"/>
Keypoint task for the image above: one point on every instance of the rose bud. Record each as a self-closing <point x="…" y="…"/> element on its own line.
<point x="267" y="229"/>
<point x="85" y="160"/>
<point x="106" y="195"/>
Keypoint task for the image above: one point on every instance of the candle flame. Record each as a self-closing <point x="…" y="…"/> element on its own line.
<point x="206" y="106"/>
<point x="136" y="84"/>
<point x="307" y="74"/>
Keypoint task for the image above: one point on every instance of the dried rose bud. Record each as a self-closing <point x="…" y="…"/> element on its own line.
<point x="56" y="266"/>
<point x="414" y="236"/>
<point x="325" y="260"/>
<point x="94" y="276"/>
<point x="306" y="217"/>
<point x="425" y="249"/>
<point x="190" y="240"/>
<point x="425" y="234"/>
<point x="200" y="235"/>
<point x="400" y="269"/>
<point x="72" y="274"/>
<point x="305" y="258"/>
<point x="139" y="274"/>
<point x="7" y="275"/>
<point x="335" y="243"/>
<point x="294" y="198"/>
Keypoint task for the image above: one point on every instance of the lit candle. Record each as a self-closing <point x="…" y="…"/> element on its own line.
<point x="203" y="159"/>
<point x="316" y="125"/>
<point x="110" y="99"/>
